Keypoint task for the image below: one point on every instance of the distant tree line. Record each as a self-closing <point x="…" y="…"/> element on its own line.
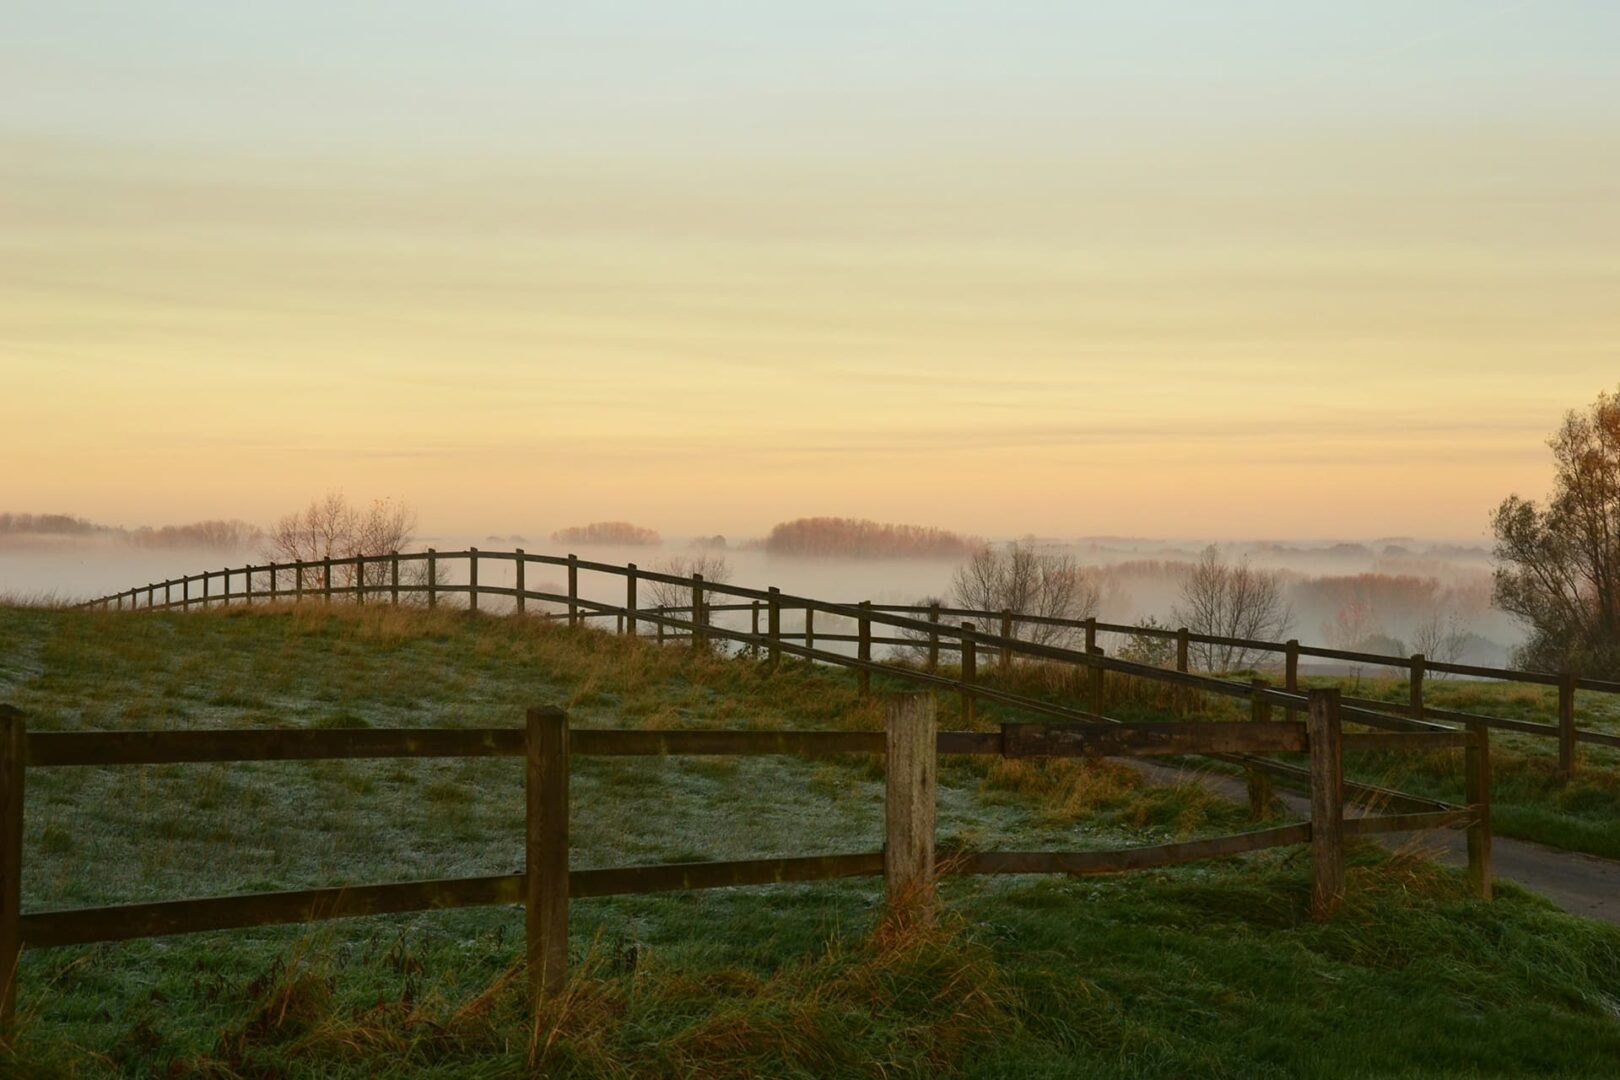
<point x="615" y="533"/>
<point x="218" y="535"/>
<point x="860" y="538"/>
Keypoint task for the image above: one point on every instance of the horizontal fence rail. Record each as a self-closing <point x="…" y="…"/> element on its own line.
<point x="911" y="744"/>
<point x="921" y="629"/>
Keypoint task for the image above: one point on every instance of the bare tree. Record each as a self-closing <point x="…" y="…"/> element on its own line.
<point x="711" y="564"/>
<point x="1442" y="636"/>
<point x="1560" y="564"/>
<point x="331" y="528"/>
<point x="1231" y="600"/>
<point x="1025" y="580"/>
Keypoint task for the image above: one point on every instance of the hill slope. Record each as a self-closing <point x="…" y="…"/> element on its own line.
<point x="1209" y="970"/>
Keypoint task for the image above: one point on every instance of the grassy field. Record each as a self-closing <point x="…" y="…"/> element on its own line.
<point x="1206" y="970"/>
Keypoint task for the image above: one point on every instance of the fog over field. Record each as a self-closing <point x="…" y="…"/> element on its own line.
<point x="1368" y="594"/>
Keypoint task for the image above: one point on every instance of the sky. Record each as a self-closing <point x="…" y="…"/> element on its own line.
<point x="1227" y="269"/>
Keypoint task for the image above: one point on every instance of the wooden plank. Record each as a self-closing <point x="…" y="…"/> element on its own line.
<point x="600" y="742"/>
<point x="1144" y="740"/>
<point x="125" y="922"/>
<point x="911" y="777"/>
<point x="1115" y="861"/>
<point x="52" y="748"/>
<point x="1414" y="822"/>
<point x="546" y="885"/>
<point x="13" y="766"/>
<point x="641" y="880"/>
<point x="1477" y="788"/>
<point x="1414" y="741"/>
<point x="1327" y="803"/>
<point x="969" y="742"/>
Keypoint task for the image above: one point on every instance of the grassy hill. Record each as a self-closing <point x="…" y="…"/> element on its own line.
<point x="1205" y="970"/>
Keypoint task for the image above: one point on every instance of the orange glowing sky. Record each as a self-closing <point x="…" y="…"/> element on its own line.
<point x="1247" y="269"/>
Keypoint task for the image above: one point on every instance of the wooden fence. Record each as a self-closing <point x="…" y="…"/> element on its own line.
<point x="420" y="577"/>
<point x="911" y="744"/>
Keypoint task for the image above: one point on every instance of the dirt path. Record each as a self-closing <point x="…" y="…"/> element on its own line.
<point x="1580" y="884"/>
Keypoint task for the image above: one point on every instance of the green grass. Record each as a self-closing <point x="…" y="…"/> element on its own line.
<point x="1206" y="970"/>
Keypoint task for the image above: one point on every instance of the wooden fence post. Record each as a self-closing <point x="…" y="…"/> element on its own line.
<point x="519" y="583"/>
<point x="573" y="590"/>
<point x="1179" y="695"/>
<point x="1260" y="793"/>
<point x="863" y="647"/>
<point x="1091" y="634"/>
<point x="359" y="579"/>
<point x="393" y="577"/>
<point x="1477" y="785"/>
<point x="224" y="588"/>
<point x="326" y="574"/>
<point x="933" y="638"/>
<point x="1004" y="661"/>
<point x="1094" y="679"/>
<point x="1415" y="685"/>
<point x="433" y="578"/>
<point x="773" y="627"/>
<point x="298" y="594"/>
<point x="168" y="595"/>
<point x="911" y="781"/>
<point x="472" y="579"/>
<point x="699" y="640"/>
<point x="630" y="602"/>
<point x="1327" y="802"/>
<point x="1566" y="725"/>
<point x="204" y="598"/>
<point x="151" y="595"/>
<point x="1291" y="675"/>
<point x="970" y="674"/>
<point x="13" y="759"/>
<point x="660" y="613"/>
<point x="545" y="861"/>
<point x="809" y="631"/>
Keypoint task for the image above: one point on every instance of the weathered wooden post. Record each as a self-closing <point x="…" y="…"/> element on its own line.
<point x="326" y="576"/>
<point x="699" y="639"/>
<point x="1327" y="802"/>
<point x="659" y="610"/>
<point x="13" y="760"/>
<point x="472" y="579"/>
<point x="1004" y="661"/>
<point x="204" y="599"/>
<point x="911" y="781"/>
<point x="933" y="638"/>
<point x="1091" y="634"/>
<point x="545" y="861"/>
<point x="1179" y="695"/>
<point x="1094" y="679"/>
<point x="1566" y="725"/>
<point x="298" y="594"/>
<point x="185" y="593"/>
<point x="630" y="626"/>
<point x="573" y="590"/>
<point x="970" y="674"/>
<point x="753" y="607"/>
<point x="224" y="588"/>
<point x="1291" y="675"/>
<point x="151" y="595"/>
<point x="773" y="627"/>
<point x="393" y="578"/>
<point x="1259" y="781"/>
<point x="1415" y="685"/>
<point x="168" y="594"/>
<point x="1477" y="791"/>
<point x="519" y="581"/>
<point x="247" y="586"/>
<point x="809" y="631"/>
<point x="433" y="578"/>
<point x="863" y="646"/>
<point x="359" y="579"/>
